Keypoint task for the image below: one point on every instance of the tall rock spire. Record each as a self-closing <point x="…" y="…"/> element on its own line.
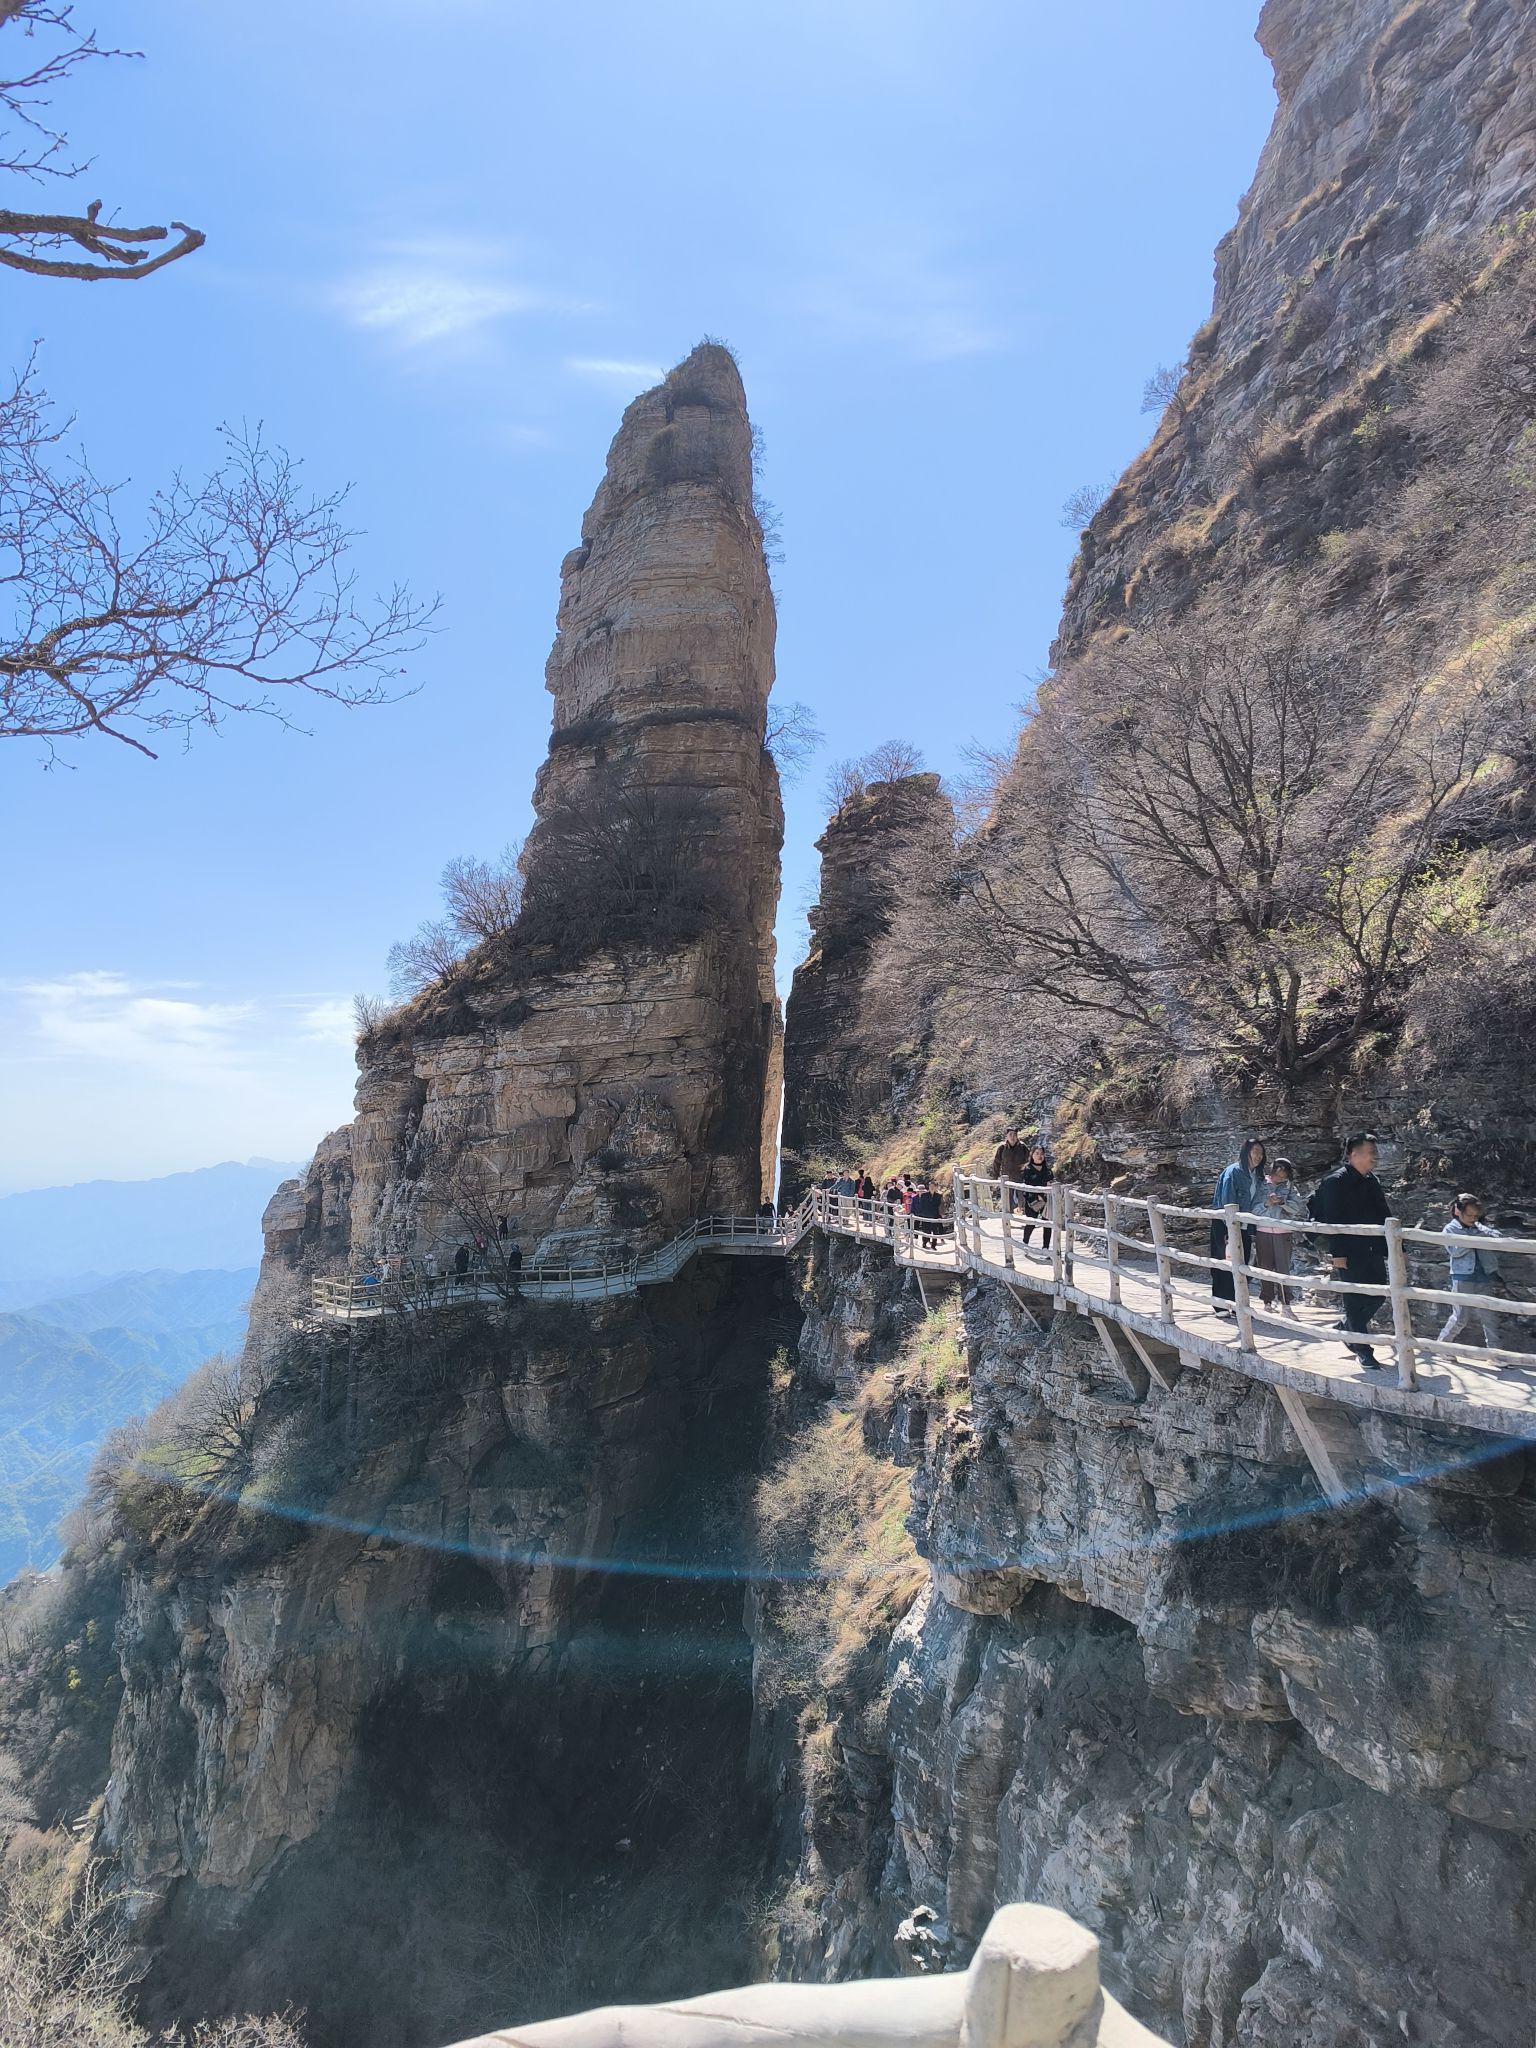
<point x="604" y="1071"/>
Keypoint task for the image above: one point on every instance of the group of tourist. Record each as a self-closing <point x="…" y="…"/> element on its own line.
<point x="1266" y="1189"/>
<point x="901" y="1194"/>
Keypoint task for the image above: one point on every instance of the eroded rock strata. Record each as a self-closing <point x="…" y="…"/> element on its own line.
<point x="435" y="1711"/>
<point x="1279" y="1756"/>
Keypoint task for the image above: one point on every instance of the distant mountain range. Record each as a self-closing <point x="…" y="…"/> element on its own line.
<point x="110" y="1293"/>
<point x="183" y="1222"/>
<point x="73" y="1368"/>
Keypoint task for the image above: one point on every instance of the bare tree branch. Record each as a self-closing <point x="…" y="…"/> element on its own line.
<point x="30" y="148"/>
<point x="235" y="590"/>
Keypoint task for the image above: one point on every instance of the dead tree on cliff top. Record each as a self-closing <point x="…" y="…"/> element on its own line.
<point x="232" y="590"/>
<point x="1215" y="850"/>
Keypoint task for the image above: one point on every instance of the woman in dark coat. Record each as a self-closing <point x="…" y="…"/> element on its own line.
<point x="1037" y="1172"/>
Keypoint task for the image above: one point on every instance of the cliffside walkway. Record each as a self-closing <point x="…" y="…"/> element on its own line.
<point x="1131" y="1265"/>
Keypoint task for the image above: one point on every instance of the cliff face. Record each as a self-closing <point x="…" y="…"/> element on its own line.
<point x="1402" y="154"/>
<point x="435" y="1696"/>
<point x="1277" y="1755"/>
<point x="848" y="1073"/>
<point x="601" y="1074"/>
<point x="1270" y="1750"/>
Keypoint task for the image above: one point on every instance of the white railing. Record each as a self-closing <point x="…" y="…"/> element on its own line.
<point x="1120" y="1257"/>
<point x="1124" y="1234"/>
<point x="1032" y="1983"/>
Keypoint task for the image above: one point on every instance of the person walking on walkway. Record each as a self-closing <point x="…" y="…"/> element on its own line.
<point x="1009" y="1162"/>
<point x="1242" y="1182"/>
<point x="1280" y="1200"/>
<point x="845" y="1189"/>
<point x="1037" y="1172"/>
<point x="461" y="1263"/>
<point x="1474" y="1270"/>
<point x="927" y="1207"/>
<point x="767" y="1214"/>
<point x="1353" y="1194"/>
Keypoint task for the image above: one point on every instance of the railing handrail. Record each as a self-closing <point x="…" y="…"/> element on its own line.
<point x="1418" y="1233"/>
<point x="991" y="1231"/>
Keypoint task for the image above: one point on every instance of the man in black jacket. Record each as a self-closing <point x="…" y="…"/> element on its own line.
<point x="1353" y="1194"/>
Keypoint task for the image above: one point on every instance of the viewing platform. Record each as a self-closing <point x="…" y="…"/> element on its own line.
<point x="1032" y="1983"/>
<point x="1127" y="1263"/>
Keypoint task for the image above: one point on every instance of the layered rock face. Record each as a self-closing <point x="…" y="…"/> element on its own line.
<point x="454" y="1646"/>
<point x="602" y="1073"/>
<point x="1404" y="137"/>
<point x="847" y="1071"/>
<point x="1278" y="1756"/>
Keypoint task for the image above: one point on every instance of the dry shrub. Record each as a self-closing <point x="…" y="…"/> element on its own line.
<point x="68" y="1966"/>
<point x="831" y="1517"/>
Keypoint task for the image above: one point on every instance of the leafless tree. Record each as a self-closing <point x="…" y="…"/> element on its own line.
<point x="622" y="860"/>
<point x="793" y="738"/>
<point x="31" y="148"/>
<point x="890" y="761"/>
<point x="368" y="1013"/>
<point x="429" y="956"/>
<point x="1079" y="507"/>
<point x="465" y="1192"/>
<point x="214" y="1417"/>
<point x="1213" y="849"/>
<point x="235" y="590"/>
<point x="484" y="896"/>
<point x="1165" y="388"/>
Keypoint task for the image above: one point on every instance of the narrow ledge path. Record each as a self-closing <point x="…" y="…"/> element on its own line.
<point x="1156" y="1292"/>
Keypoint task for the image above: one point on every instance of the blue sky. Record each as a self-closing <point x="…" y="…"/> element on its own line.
<point x="446" y="244"/>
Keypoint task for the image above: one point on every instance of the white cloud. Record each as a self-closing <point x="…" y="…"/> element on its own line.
<point x="611" y="370"/>
<point x="95" y="1015"/>
<point x="895" y="292"/>
<point x="108" y="1075"/>
<point x="330" y="1021"/>
<point x="436" y="295"/>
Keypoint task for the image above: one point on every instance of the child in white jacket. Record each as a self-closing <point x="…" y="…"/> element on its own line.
<point x="1278" y="1197"/>
<point x="1472" y="1269"/>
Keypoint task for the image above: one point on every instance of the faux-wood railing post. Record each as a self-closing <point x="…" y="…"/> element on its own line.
<point x="1402" y="1313"/>
<point x="1005" y="1215"/>
<point x="1056" y="1209"/>
<point x="1240" y="1295"/>
<point x="1159" y="1233"/>
<point x="1111" y="1245"/>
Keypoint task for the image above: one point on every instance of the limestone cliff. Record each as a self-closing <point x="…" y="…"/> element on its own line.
<point x="601" y="1074"/>
<point x="1276" y="1754"/>
<point x="849" y="1073"/>
<point x="434" y="1701"/>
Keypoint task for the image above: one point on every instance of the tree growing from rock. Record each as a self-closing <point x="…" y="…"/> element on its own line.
<point x="890" y="761"/>
<point x="1213" y="850"/>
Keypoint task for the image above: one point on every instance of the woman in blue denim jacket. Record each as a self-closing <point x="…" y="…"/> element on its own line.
<point x="1243" y="1183"/>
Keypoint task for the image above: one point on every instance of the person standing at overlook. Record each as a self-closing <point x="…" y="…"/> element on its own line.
<point x="1243" y="1184"/>
<point x="1353" y="1194"/>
